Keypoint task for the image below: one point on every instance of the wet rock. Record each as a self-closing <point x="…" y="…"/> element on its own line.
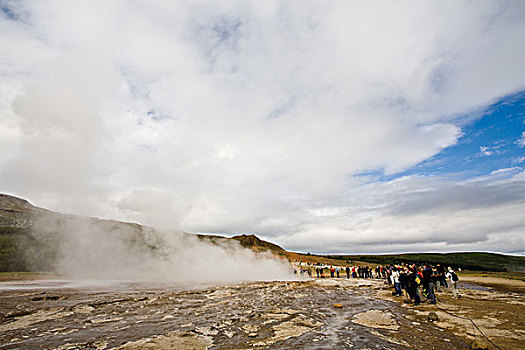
<point x="98" y="303"/>
<point x="221" y="293"/>
<point x="287" y="330"/>
<point x="326" y="282"/>
<point x="36" y="317"/>
<point x="432" y="316"/>
<point x="229" y="334"/>
<point x="106" y="320"/>
<point x="17" y="314"/>
<point x="100" y="344"/>
<point x="478" y="345"/>
<point x="207" y="330"/>
<point x="173" y="340"/>
<point x="58" y="329"/>
<point x="46" y="297"/>
<point x="293" y="328"/>
<point x="250" y="328"/>
<point x="83" y="309"/>
<point x="70" y="346"/>
<point x="376" y="319"/>
<point x="225" y="323"/>
<point x="254" y="316"/>
<point x="285" y="311"/>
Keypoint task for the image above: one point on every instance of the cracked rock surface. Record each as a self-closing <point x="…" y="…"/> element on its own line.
<point x="259" y="315"/>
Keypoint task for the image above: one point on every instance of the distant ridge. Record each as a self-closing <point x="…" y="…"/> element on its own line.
<point x="20" y="241"/>
<point x="466" y="260"/>
<point x="254" y="242"/>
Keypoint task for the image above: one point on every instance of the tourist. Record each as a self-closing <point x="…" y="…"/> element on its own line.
<point x="453" y="282"/>
<point x="413" y="287"/>
<point x="395" y="280"/>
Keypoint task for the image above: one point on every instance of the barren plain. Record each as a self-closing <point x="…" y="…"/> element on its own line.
<point x="309" y="314"/>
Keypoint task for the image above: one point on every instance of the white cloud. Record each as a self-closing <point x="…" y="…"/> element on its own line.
<point x="420" y="214"/>
<point x="506" y="170"/>
<point x="485" y="151"/>
<point x="521" y="140"/>
<point x="238" y="117"/>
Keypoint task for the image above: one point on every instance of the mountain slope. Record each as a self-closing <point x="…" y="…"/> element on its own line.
<point x="32" y="238"/>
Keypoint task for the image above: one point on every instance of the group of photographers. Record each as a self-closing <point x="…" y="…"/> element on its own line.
<point x="416" y="280"/>
<point x="425" y="280"/>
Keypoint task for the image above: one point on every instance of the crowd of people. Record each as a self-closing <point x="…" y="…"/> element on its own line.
<point x="411" y="280"/>
<point x="422" y="280"/>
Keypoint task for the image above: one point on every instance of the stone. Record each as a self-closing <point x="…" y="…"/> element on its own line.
<point x="432" y="316"/>
<point x="376" y="319"/>
<point x="478" y="345"/>
<point x="100" y="344"/>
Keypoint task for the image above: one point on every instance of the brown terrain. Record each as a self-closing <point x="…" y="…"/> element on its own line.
<point x="318" y="313"/>
<point x="47" y="311"/>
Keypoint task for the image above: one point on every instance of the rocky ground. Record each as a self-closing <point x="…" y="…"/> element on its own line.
<point x="313" y="314"/>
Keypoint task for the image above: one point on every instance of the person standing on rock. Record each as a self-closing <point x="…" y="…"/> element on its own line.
<point x="347" y="272"/>
<point x="453" y="282"/>
<point x="395" y="280"/>
<point x="436" y="278"/>
<point x="427" y="275"/>
<point x="413" y="287"/>
<point x="442" y="272"/>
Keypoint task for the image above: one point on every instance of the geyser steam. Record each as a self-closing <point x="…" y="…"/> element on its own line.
<point x="102" y="249"/>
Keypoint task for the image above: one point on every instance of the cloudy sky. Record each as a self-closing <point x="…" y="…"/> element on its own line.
<point x="352" y="127"/>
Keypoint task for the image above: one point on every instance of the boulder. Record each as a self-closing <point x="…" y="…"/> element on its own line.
<point x="432" y="316"/>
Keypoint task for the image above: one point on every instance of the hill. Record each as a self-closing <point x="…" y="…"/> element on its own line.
<point x="30" y="237"/>
<point x="476" y="261"/>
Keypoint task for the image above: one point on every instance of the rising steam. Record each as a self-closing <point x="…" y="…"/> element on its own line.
<point x="101" y="249"/>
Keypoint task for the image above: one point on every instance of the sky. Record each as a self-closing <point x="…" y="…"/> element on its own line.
<point x="324" y="127"/>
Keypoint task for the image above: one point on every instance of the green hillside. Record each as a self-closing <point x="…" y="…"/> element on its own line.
<point x="470" y="261"/>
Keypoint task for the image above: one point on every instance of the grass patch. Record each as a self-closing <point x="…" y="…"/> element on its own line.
<point x="477" y="261"/>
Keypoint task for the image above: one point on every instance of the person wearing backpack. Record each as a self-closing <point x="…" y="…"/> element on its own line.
<point x="453" y="282"/>
<point x="413" y="286"/>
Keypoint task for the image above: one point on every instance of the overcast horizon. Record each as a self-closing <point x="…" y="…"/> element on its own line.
<point x="336" y="127"/>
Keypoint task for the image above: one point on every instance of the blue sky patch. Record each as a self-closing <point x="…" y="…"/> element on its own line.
<point x="10" y="10"/>
<point x="487" y="145"/>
